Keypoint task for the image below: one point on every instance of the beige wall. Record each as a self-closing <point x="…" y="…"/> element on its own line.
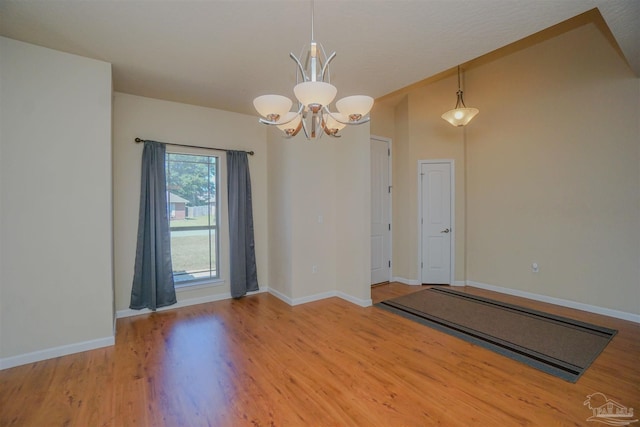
<point x="383" y="119"/>
<point x="551" y="165"/>
<point x="56" y="282"/>
<point x="430" y="137"/>
<point x="403" y="264"/>
<point x="165" y="121"/>
<point x="420" y="134"/>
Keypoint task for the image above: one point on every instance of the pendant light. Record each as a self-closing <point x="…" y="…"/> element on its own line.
<point x="461" y="114"/>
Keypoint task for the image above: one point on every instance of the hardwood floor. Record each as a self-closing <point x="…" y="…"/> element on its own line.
<point x="259" y="362"/>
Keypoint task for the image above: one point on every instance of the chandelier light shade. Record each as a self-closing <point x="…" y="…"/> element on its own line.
<point x="290" y="123"/>
<point x="314" y="93"/>
<point x="355" y="107"/>
<point x="461" y="114"/>
<point x="272" y="106"/>
<point x="334" y="122"/>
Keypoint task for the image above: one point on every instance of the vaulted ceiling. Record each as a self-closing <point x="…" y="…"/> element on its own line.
<point x="224" y="53"/>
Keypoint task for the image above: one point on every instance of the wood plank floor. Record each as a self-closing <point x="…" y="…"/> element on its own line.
<point x="259" y="362"/>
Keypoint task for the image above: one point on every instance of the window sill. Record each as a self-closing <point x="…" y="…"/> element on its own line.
<point x="199" y="284"/>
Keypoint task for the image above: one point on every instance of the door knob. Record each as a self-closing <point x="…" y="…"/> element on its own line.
<point x="446" y="230"/>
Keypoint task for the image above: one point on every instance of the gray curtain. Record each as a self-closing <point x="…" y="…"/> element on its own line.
<point x="244" y="273"/>
<point x="153" y="274"/>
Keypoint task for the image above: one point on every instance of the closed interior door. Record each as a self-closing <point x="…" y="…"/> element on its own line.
<point x="436" y="229"/>
<point x="380" y="212"/>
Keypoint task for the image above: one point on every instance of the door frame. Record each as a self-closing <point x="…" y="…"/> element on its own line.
<point x="389" y="165"/>
<point x="452" y="174"/>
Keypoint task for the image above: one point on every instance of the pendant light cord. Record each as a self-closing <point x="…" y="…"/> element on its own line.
<point x="460" y="101"/>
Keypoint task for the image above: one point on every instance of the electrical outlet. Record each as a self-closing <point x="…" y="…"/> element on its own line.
<point x="314" y="269"/>
<point x="535" y="268"/>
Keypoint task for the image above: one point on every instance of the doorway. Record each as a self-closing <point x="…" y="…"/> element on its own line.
<point x="436" y="218"/>
<point x="380" y="210"/>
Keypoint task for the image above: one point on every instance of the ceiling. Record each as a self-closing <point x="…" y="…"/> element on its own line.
<point x="224" y="53"/>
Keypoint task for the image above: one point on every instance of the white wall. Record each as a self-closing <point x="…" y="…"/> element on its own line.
<point x="319" y="213"/>
<point x="280" y="211"/>
<point x="293" y="181"/>
<point x="353" y="215"/>
<point x="165" y="121"/>
<point x="56" y="283"/>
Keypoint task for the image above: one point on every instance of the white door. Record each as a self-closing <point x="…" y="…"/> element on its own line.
<point x="436" y="222"/>
<point x="380" y="211"/>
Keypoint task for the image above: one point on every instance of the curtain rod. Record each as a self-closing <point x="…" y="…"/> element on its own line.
<point x="251" y="153"/>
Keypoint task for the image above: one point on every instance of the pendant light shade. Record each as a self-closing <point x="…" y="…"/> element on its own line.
<point x="461" y="114"/>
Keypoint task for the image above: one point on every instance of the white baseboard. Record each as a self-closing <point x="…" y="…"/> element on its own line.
<point x="183" y="303"/>
<point x="50" y="353"/>
<point x="281" y="296"/>
<point x="406" y="281"/>
<point x="559" y="301"/>
<point x="320" y="296"/>
<point x="314" y="297"/>
<point x="459" y="283"/>
<point x="357" y="301"/>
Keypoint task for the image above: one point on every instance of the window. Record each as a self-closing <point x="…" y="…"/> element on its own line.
<point x="193" y="212"/>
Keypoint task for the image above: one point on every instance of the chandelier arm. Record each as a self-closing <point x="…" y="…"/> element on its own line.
<point x="266" y="122"/>
<point x="317" y="125"/>
<point x="361" y="121"/>
<point x="295" y="132"/>
<point x="272" y="123"/>
<point x="333" y="135"/>
<point x="314" y="120"/>
<point x="357" y="122"/>
<point x="326" y="65"/>
<point x="300" y="67"/>
<point x="304" y="128"/>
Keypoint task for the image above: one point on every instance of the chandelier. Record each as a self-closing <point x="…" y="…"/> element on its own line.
<point x="460" y="115"/>
<point x="314" y="93"/>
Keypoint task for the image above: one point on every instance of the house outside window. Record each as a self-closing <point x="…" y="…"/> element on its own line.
<point x="193" y="212"/>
